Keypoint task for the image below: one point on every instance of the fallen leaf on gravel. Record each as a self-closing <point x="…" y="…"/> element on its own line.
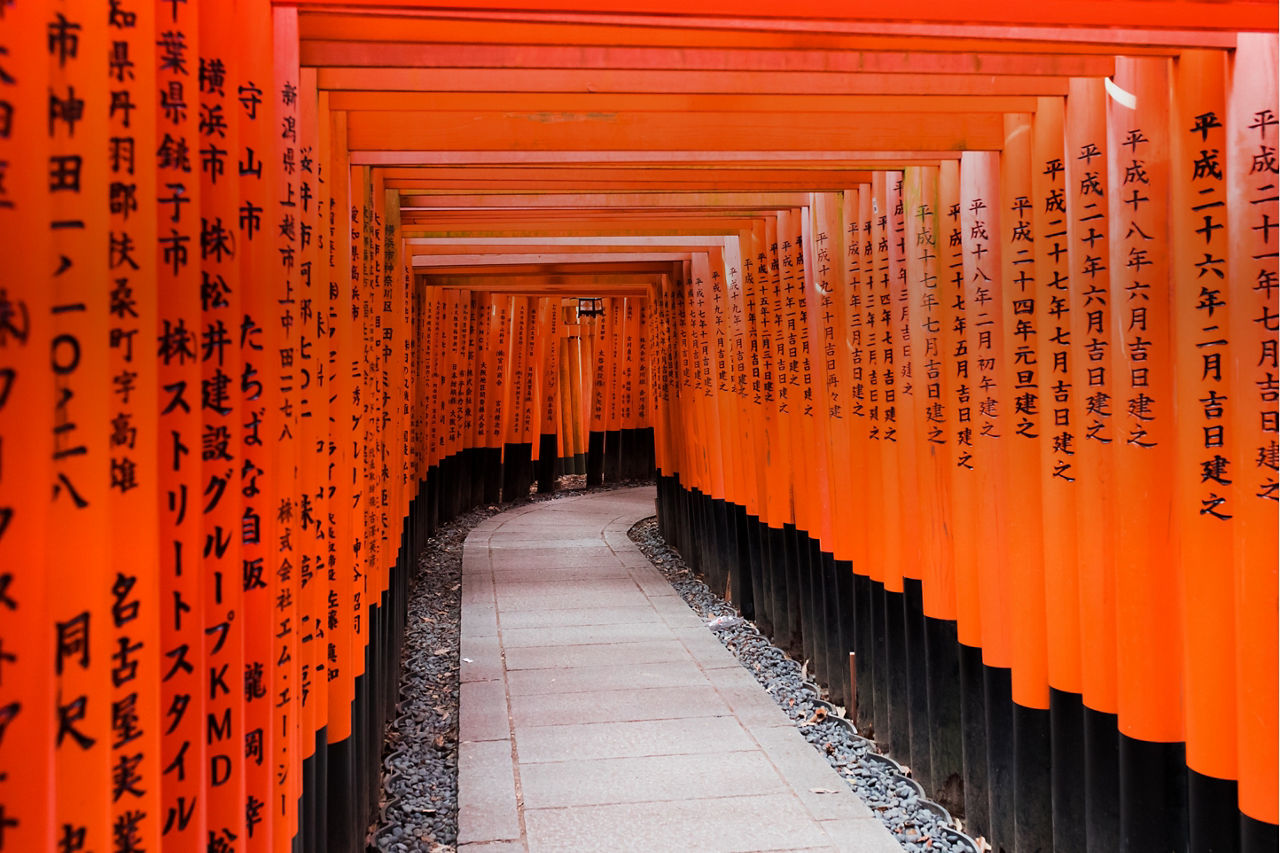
<point x="440" y="740"/>
<point x="440" y="652"/>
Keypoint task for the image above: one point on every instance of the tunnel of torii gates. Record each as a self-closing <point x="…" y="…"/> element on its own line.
<point x="951" y="330"/>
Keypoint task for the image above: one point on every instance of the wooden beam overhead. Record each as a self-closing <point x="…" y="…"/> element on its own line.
<point x="483" y="102"/>
<point x="1249" y="15"/>
<point x="540" y="31"/>
<point x="722" y="158"/>
<point x="329" y="53"/>
<point x="388" y="130"/>
<point x="675" y="82"/>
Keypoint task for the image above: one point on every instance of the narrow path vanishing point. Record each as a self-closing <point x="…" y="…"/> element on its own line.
<point x="598" y="713"/>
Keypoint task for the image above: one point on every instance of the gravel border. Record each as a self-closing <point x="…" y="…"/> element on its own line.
<point x="918" y="823"/>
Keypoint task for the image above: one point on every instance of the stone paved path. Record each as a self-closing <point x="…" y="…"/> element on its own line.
<point x="598" y="713"/>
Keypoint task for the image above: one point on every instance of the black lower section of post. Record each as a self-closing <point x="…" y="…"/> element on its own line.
<point x="1000" y="770"/>
<point x="517" y="472"/>
<point x="973" y="721"/>
<point x="1066" y="739"/>
<point x="899" y="699"/>
<point x="491" y="473"/>
<point x="1153" y="796"/>
<point x="1258" y="836"/>
<point x="1101" y="781"/>
<point x="864" y="651"/>
<point x="879" y="664"/>
<point x="846" y="610"/>
<point x="595" y="458"/>
<point x="1033" y="779"/>
<point x="946" y="740"/>
<point x="1029" y="780"/>
<point x="917" y="681"/>
<point x="1213" y="824"/>
<point x="545" y="467"/>
<point x="612" y="455"/>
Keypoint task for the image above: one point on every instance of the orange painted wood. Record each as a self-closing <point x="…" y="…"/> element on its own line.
<point x="492" y="29"/>
<point x="675" y="82"/>
<point x="958" y="387"/>
<point x="335" y="170"/>
<point x="259" y="418"/>
<point x="79" y="576"/>
<point x="134" y="552"/>
<point x="183" y="689"/>
<point x="980" y="224"/>
<point x="388" y="130"/>
<point x="853" y="296"/>
<point x="905" y="431"/>
<point x="1082" y="36"/>
<point x="1086" y="186"/>
<point x="288" y="745"/>
<point x="1204" y="472"/>
<point x="735" y="157"/>
<point x="311" y="501"/>
<point x="1253" y="209"/>
<point x="414" y="55"/>
<point x="1018" y="374"/>
<point x="874" y="276"/>
<point x="831" y="397"/>
<point x="569" y="104"/>
<point x="1241" y="14"/>
<point x="220" y="503"/>
<point x="28" y="716"/>
<point x="1145" y="411"/>
<point x="1058" y="438"/>
<point x="813" y="379"/>
<point x="926" y="291"/>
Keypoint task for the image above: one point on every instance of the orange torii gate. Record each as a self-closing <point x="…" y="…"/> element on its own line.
<point x="954" y="328"/>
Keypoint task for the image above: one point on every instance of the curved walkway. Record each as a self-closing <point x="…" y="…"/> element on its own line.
<point x="598" y="713"/>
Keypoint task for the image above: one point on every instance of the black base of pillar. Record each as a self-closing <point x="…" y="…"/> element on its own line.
<point x="1066" y="738"/>
<point x="1153" y="796"/>
<point x="1001" y="781"/>
<point x="1101" y="780"/>
<point x="1214" y="815"/>
<point x="917" y="681"/>
<point x="545" y="468"/>
<point x="491" y="473"/>
<point x="1033" y="779"/>
<point x="517" y="472"/>
<point x="612" y="456"/>
<point x="595" y="459"/>
<point x="973" y="720"/>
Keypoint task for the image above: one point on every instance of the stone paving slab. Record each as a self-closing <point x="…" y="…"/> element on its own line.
<point x="549" y="657"/>
<point x="599" y="713"/>
<point x="702" y="824"/>
<point x="631" y="739"/>
<point x="579" y="616"/>
<point x="647" y="778"/>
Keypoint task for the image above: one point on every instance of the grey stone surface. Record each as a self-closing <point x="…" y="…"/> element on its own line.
<point x="647" y="778"/>
<point x="772" y="822"/>
<point x="686" y="736"/>
<point x="485" y="717"/>
<point x="624" y="724"/>
<point x="578" y="616"/>
<point x="593" y="679"/>
<point x="641" y="651"/>
<point x="583" y="635"/>
<point x="486" y="792"/>
<point x="658" y="703"/>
